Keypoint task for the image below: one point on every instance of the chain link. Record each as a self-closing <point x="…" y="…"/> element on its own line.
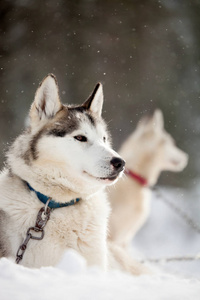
<point x="41" y="221"/>
<point x="170" y="259"/>
<point x="188" y="220"/>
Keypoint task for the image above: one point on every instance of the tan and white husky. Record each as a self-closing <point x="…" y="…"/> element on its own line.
<point x="148" y="151"/>
<point x="60" y="164"/>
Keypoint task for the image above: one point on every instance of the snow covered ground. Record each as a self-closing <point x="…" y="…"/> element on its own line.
<point x="73" y="280"/>
<point x="165" y="234"/>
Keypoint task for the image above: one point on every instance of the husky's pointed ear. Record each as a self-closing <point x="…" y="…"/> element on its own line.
<point x="158" y="119"/>
<point x="95" y="102"/>
<point x="46" y="103"/>
<point x="144" y="121"/>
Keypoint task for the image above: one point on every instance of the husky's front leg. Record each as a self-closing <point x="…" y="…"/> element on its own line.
<point x="95" y="255"/>
<point x="119" y="259"/>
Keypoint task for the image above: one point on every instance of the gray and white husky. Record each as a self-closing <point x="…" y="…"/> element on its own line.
<point x="64" y="154"/>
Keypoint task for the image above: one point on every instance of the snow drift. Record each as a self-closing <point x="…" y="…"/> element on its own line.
<point x="71" y="279"/>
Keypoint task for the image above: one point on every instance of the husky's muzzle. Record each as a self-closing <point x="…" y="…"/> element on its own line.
<point x="118" y="165"/>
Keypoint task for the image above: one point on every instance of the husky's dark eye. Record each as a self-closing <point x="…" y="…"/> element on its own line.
<point x="57" y="132"/>
<point x="104" y="139"/>
<point x="81" y="138"/>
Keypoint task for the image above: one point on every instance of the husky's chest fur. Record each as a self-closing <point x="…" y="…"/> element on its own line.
<point x="81" y="227"/>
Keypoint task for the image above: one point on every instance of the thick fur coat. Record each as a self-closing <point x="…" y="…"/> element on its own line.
<point x="65" y="154"/>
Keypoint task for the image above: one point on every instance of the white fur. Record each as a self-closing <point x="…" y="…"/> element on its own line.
<point x="148" y="151"/>
<point x="76" y="227"/>
<point x="64" y="169"/>
<point x="97" y="103"/>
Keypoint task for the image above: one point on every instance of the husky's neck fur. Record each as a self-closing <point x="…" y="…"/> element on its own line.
<point x="49" y="181"/>
<point x="143" y="163"/>
<point x="54" y="184"/>
<point x="52" y="204"/>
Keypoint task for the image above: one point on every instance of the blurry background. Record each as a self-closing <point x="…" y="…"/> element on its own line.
<point x="145" y="52"/>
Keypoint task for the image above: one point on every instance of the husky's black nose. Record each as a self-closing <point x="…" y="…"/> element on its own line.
<point x="117" y="163"/>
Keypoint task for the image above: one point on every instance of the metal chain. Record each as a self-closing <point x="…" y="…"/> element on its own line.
<point x="170" y="259"/>
<point x="188" y="220"/>
<point x="41" y="221"/>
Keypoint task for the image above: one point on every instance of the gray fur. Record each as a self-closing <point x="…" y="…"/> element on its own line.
<point x="66" y="123"/>
<point x="4" y="243"/>
<point x="33" y="144"/>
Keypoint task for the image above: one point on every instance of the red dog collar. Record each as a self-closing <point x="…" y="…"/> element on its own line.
<point x="136" y="177"/>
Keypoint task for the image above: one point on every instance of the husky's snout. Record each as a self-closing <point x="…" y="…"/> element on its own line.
<point x="118" y="164"/>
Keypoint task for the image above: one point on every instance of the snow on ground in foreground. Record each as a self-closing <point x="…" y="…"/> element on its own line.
<point x="72" y="280"/>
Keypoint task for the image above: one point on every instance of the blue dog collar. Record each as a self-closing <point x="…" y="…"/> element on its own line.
<point x="52" y="204"/>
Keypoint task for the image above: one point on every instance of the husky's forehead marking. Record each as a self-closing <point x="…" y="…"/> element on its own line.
<point x="66" y="121"/>
<point x="82" y="111"/>
<point x="65" y="124"/>
<point x="70" y="121"/>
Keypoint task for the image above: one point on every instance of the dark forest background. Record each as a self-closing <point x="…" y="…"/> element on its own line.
<point x="145" y="52"/>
